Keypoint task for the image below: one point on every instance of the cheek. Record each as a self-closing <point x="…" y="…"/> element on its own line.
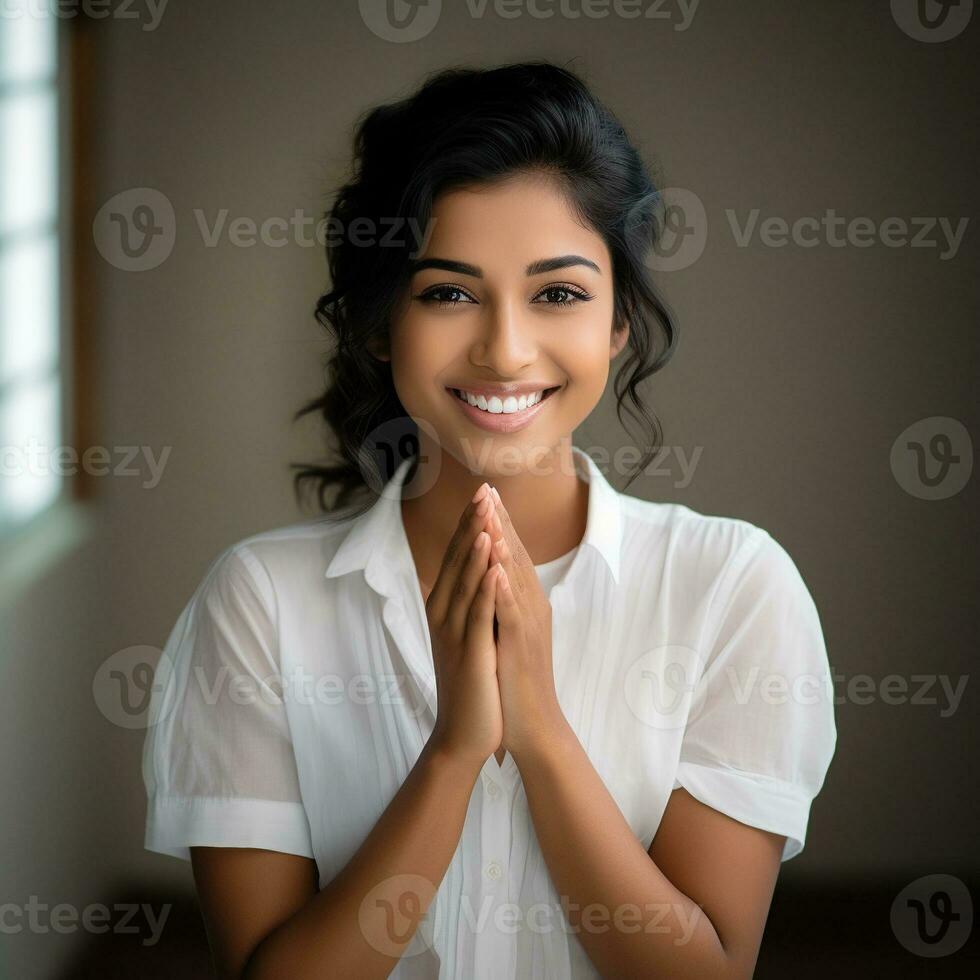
<point x="418" y="354"/>
<point x="583" y="357"/>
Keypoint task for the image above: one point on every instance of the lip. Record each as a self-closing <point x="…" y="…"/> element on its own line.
<point x="501" y="422"/>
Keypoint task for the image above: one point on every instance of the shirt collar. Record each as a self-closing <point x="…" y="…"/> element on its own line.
<point x="373" y="535"/>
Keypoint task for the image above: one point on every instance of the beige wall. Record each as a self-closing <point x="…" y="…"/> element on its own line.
<point x="796" y="371"/>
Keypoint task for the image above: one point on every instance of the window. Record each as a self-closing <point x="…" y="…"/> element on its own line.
<point x="31" y="362"/>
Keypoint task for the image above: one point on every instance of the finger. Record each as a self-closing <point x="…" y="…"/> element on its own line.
<point x="505" y="526"/>
<point x="479" y="622"/>
<point x="477" y="562"/>
<point x="509" y="550"/>
<point x="470" y="524"/>
<point x="509" y="619"/>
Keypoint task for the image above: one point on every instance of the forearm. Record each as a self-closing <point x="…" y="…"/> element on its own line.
<point x="639" y="925"/>
<point x="406" y="854"/>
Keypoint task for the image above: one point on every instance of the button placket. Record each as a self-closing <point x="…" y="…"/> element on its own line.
<point x="413" y="649"/>
<point x="495" y="836"/>
<point x="398" y="626"/>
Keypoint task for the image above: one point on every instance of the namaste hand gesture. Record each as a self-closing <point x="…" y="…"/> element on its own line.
<point x="525" y="673"/>
<point x="493" y="691"/>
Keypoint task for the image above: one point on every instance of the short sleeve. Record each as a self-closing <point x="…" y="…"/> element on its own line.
<point x="218" y="761"/>
<point x="761" y="732"/>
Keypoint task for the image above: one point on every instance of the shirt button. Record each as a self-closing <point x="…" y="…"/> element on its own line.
<point x="494" y="870"/>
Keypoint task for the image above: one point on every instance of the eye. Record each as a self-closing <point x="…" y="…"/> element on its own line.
<point x="563" y="294"/>
<point x="444" y="295"/>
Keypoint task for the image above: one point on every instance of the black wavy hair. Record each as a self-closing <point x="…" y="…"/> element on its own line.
<point x="468" y="126"/>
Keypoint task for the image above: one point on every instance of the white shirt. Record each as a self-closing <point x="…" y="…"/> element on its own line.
<point x="297" y="691"/>
<point x="552" y="572"/>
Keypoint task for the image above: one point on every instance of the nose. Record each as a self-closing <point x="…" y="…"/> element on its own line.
<point x="506" y="344"/>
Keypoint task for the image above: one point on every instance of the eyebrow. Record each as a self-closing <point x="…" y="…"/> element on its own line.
<point x="534" y="269"/>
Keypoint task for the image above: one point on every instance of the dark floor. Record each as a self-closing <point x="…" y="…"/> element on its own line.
<point x="830" y="931"/>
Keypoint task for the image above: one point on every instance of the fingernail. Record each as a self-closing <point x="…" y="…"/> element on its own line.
<point x="481" y="492"/>
<point x="493" y="490"/>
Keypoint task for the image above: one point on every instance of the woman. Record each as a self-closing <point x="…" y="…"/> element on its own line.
<point x="507" y="721"/>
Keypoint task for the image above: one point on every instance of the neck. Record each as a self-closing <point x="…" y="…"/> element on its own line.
<point x="548" y="504"/>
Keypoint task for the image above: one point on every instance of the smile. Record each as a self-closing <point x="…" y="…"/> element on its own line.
<point x="501" y="414"/>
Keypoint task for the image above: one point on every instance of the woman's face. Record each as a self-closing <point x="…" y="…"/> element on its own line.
<point x="510" y="295"/>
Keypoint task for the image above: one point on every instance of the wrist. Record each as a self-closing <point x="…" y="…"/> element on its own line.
<point x="439" y="755"/>
<point x="551" y="743"/>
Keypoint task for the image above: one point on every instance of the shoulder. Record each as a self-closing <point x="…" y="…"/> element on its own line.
<point x="701" y="548"/>
<point x="706" y="559"/>
<point x="278" y="561"/>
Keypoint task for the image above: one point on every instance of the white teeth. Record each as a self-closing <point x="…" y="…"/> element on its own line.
<point x="497" y="406"/>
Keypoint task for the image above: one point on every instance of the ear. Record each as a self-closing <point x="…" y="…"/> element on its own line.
<point x="620" y="335"/>
<point x="378" y="347"/>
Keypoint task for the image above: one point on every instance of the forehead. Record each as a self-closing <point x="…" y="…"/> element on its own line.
<point x="508" y="224"/>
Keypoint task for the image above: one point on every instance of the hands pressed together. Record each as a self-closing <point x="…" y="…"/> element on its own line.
<point x="495" y="687"/>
